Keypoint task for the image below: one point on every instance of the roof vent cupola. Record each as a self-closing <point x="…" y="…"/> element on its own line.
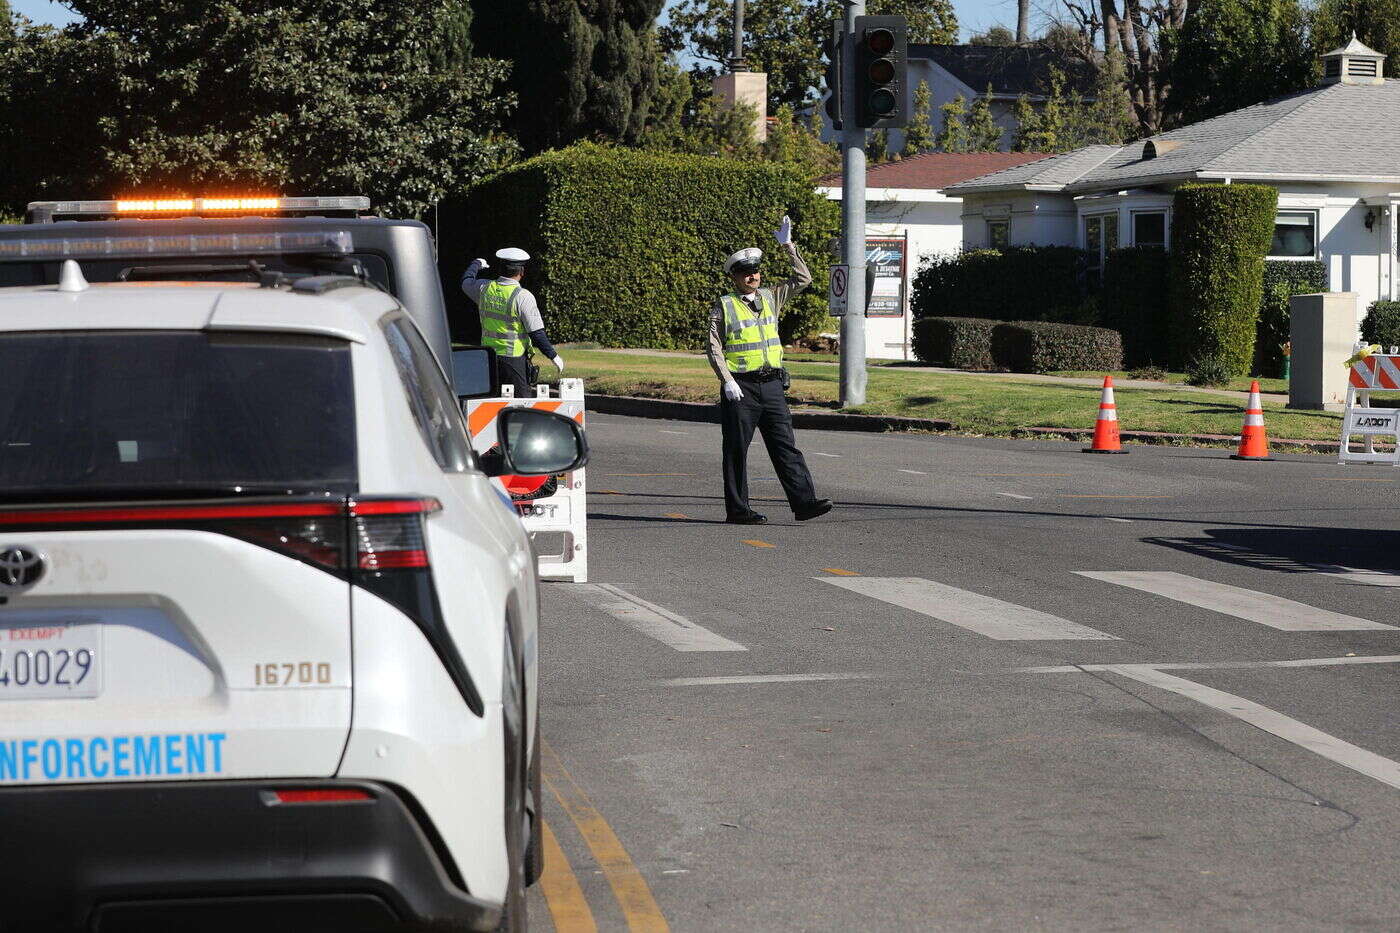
<point x="1353" y="63"/>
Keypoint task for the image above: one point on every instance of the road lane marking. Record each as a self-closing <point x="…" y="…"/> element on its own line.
<point x="1012" y="495"/>
<point x="915" y="472"/>
<point x="972" y="611"/>
<point x="1365" y="577"/>
<point x="818" y="453"/>
<point x="674" y="432"/>
<point x="764" y="679"/>
<point x="1270" y="721"/>
<point x="1264" y="608"/>
<point x="606" y="492"/>
<point x="839" y="572"/>
<point x="1126" y="521"/>
<point x="650" y="619"/>
<point x="754" y="542"/>
<point x="676" y="515"/>
<point x="633" y="895"/>
<point x="1218" y="665"/>
<point x="562" y="893"/>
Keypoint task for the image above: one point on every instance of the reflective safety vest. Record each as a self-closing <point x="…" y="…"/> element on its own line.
<point x="501" y="327"/>
<point x="750" y="342"/>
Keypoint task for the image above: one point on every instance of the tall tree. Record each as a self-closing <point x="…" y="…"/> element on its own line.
<point x="953" y="136"/>
<point x="918" y="135"/>
<point x="164" y="96"/>
<point x="1375" y="22"/>
<point x="783" y="37"/>
<point x="983" y="133"/>
<point x="1023" y="21"/>
<point x="583" y="69"/>
<point x="1233" y="53"/>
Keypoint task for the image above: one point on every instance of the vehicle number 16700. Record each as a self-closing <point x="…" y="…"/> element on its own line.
<point x="299" y="674"/>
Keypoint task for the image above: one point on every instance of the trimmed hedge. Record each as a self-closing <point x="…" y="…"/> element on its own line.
<point x="1134" y="303"/>
<point x="1220" y="236"/>
<point x="1282" y="280"/>
<point x="960" y="342"/>
<point x="1382" y="324"/>
<point x="1044" y="282"/>
<point x="629" y="246"/>
<point x="1039" y="347"/>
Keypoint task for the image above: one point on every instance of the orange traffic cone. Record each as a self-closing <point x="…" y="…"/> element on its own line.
<point x="1254" y="443"/>
<point x="1106" y="428"/>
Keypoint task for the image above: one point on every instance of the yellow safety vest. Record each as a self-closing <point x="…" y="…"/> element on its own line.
<point x="750" y="342"/>
<point x="501" y="327"/>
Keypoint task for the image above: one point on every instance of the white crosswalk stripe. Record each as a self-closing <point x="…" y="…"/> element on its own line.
<point x="650" y="619"/>
<point x="1250" y="605"/>
<point x="972" y="611"/>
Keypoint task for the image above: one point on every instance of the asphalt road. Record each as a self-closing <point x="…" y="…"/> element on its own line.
<point x="920" y="713"/>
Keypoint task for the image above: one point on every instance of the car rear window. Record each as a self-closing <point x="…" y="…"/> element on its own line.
<point x="87" y="415"/>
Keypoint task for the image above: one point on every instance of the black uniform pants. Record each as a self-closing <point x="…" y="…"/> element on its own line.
<point x="763" y="407"/>
<point x="512" y="371"/>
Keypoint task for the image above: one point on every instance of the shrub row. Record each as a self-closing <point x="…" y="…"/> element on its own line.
<point x="1043" y="282"/>
<point x="629" y="246"/>
<point x="1220" y="236"/>
<point x="1282" y="280"/>
<point x="1382" y="324"/>
<point x="1020" y="346"/>
<point x="1134" y="303"/>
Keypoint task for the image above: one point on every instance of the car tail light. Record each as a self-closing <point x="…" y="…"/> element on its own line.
<point x="388" y="533"/>
<point x="319" y="795"/>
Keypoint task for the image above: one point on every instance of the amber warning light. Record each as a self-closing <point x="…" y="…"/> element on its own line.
<point x="135" y="207"/>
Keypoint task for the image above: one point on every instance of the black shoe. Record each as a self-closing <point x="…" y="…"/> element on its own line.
<point x="750" y="518"/>
<point x="815" y="509"/>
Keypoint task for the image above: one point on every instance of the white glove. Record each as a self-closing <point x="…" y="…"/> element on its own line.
<point x="476" y="266"/>
<point x="784" y="232"/>
<point x="558" y="362"/>
<point x="732" y="391"/>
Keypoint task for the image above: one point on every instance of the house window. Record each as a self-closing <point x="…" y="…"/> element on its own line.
<point x="1150" y="228"/>
<point x="1100" y="236"/>
<point x="998" y="234"/>
<point x="1295" y="235"/>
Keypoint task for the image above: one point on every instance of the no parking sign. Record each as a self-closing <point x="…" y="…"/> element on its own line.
<point x="836" y="290"/>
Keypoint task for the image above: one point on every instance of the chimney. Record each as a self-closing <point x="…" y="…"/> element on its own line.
<point x="1353" y="63"/>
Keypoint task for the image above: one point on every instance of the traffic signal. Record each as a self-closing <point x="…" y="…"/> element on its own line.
<point x="835" y="47"/>
<point x="882" y="71"/>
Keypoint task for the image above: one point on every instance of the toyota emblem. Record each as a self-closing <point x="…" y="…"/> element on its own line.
<point x="20" y="568"/>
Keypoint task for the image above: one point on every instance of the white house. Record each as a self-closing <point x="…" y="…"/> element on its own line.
<point x="1333" y="153"/>
<point x="908" y="217"/>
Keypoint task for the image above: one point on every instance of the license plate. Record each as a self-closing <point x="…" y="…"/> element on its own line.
<point x="61" y="660"/>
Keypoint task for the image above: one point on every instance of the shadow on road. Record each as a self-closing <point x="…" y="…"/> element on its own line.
<point x="1295" y="550"/>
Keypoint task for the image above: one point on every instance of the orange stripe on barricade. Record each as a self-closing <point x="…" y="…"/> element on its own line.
<point x="1358" y="381"/>
<point x="482" y="415"/>
<point x="548" y="406"/>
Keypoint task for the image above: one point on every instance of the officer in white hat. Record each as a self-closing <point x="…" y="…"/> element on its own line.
<point x="509" y="314"/>
<point x="747" y="356"/>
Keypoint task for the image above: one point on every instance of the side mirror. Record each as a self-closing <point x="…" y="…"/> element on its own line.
<point x="537" y="443"/>
<point x="474" y="373"/>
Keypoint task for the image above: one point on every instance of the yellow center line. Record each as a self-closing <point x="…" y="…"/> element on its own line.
<point x="607" y="492"/>
<point x="839" y="572"/>
<point x="633" y="895"/>
<point x="561" y="889"/>
<point x="676" y="515"/>
<point x="754" y="542"/>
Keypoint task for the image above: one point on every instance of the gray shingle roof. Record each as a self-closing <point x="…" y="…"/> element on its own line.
<point x="1340" y="131"/>
<point x="1056" y="171"/>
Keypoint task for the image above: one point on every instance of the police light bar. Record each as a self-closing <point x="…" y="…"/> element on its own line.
<point x="50" y="211"/>
<point x="42" y="249"/>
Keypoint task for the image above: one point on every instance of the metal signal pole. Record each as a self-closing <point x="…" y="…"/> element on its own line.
<point x="852" y="224"/>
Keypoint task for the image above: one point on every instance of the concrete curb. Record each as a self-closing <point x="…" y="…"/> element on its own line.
<point x="708" y="413"/>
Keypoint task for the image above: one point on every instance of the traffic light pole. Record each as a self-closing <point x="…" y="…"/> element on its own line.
<point x="853" y="229"/>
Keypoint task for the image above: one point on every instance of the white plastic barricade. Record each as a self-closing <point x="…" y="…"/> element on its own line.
<point x="554" y="509"/>
<point x="1379" y="372"/>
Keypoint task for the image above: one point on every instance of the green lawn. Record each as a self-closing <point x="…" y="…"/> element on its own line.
<point x="976" y="404"/>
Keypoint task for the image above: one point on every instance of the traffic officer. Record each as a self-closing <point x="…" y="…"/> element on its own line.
<point x="509" y="313"/>
<point x="747" y="356"/>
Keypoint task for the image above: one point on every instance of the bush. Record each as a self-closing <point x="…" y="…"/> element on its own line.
<point x="631" y="245"/>
<point x="1038" y="347"/>
<point x="960" y="342"/>
<point x="1211" y="369"/>
<point x="1044" y="283"/>
<point x="1382" y="324"/>
<point x="1220" y="236"/>
<point x="1282" y="280"/>
<point x="1134" y="303"/>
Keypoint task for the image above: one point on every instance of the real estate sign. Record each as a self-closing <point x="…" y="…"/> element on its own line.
<point x="887" y="275"/>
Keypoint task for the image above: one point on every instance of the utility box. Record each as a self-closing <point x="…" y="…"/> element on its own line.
<point x="1322" y="331"/>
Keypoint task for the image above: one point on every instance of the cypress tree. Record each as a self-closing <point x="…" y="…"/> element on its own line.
<point x="983" y="133"/>
<point x="953" y="136"/>
<point x="583" y="69"/>
<point x="918" y="136"/>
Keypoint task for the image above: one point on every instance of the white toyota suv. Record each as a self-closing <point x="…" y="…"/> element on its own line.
<point x="267" y="631"/>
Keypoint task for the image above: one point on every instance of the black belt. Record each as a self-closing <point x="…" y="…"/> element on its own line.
<point x="762" y="374"/>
